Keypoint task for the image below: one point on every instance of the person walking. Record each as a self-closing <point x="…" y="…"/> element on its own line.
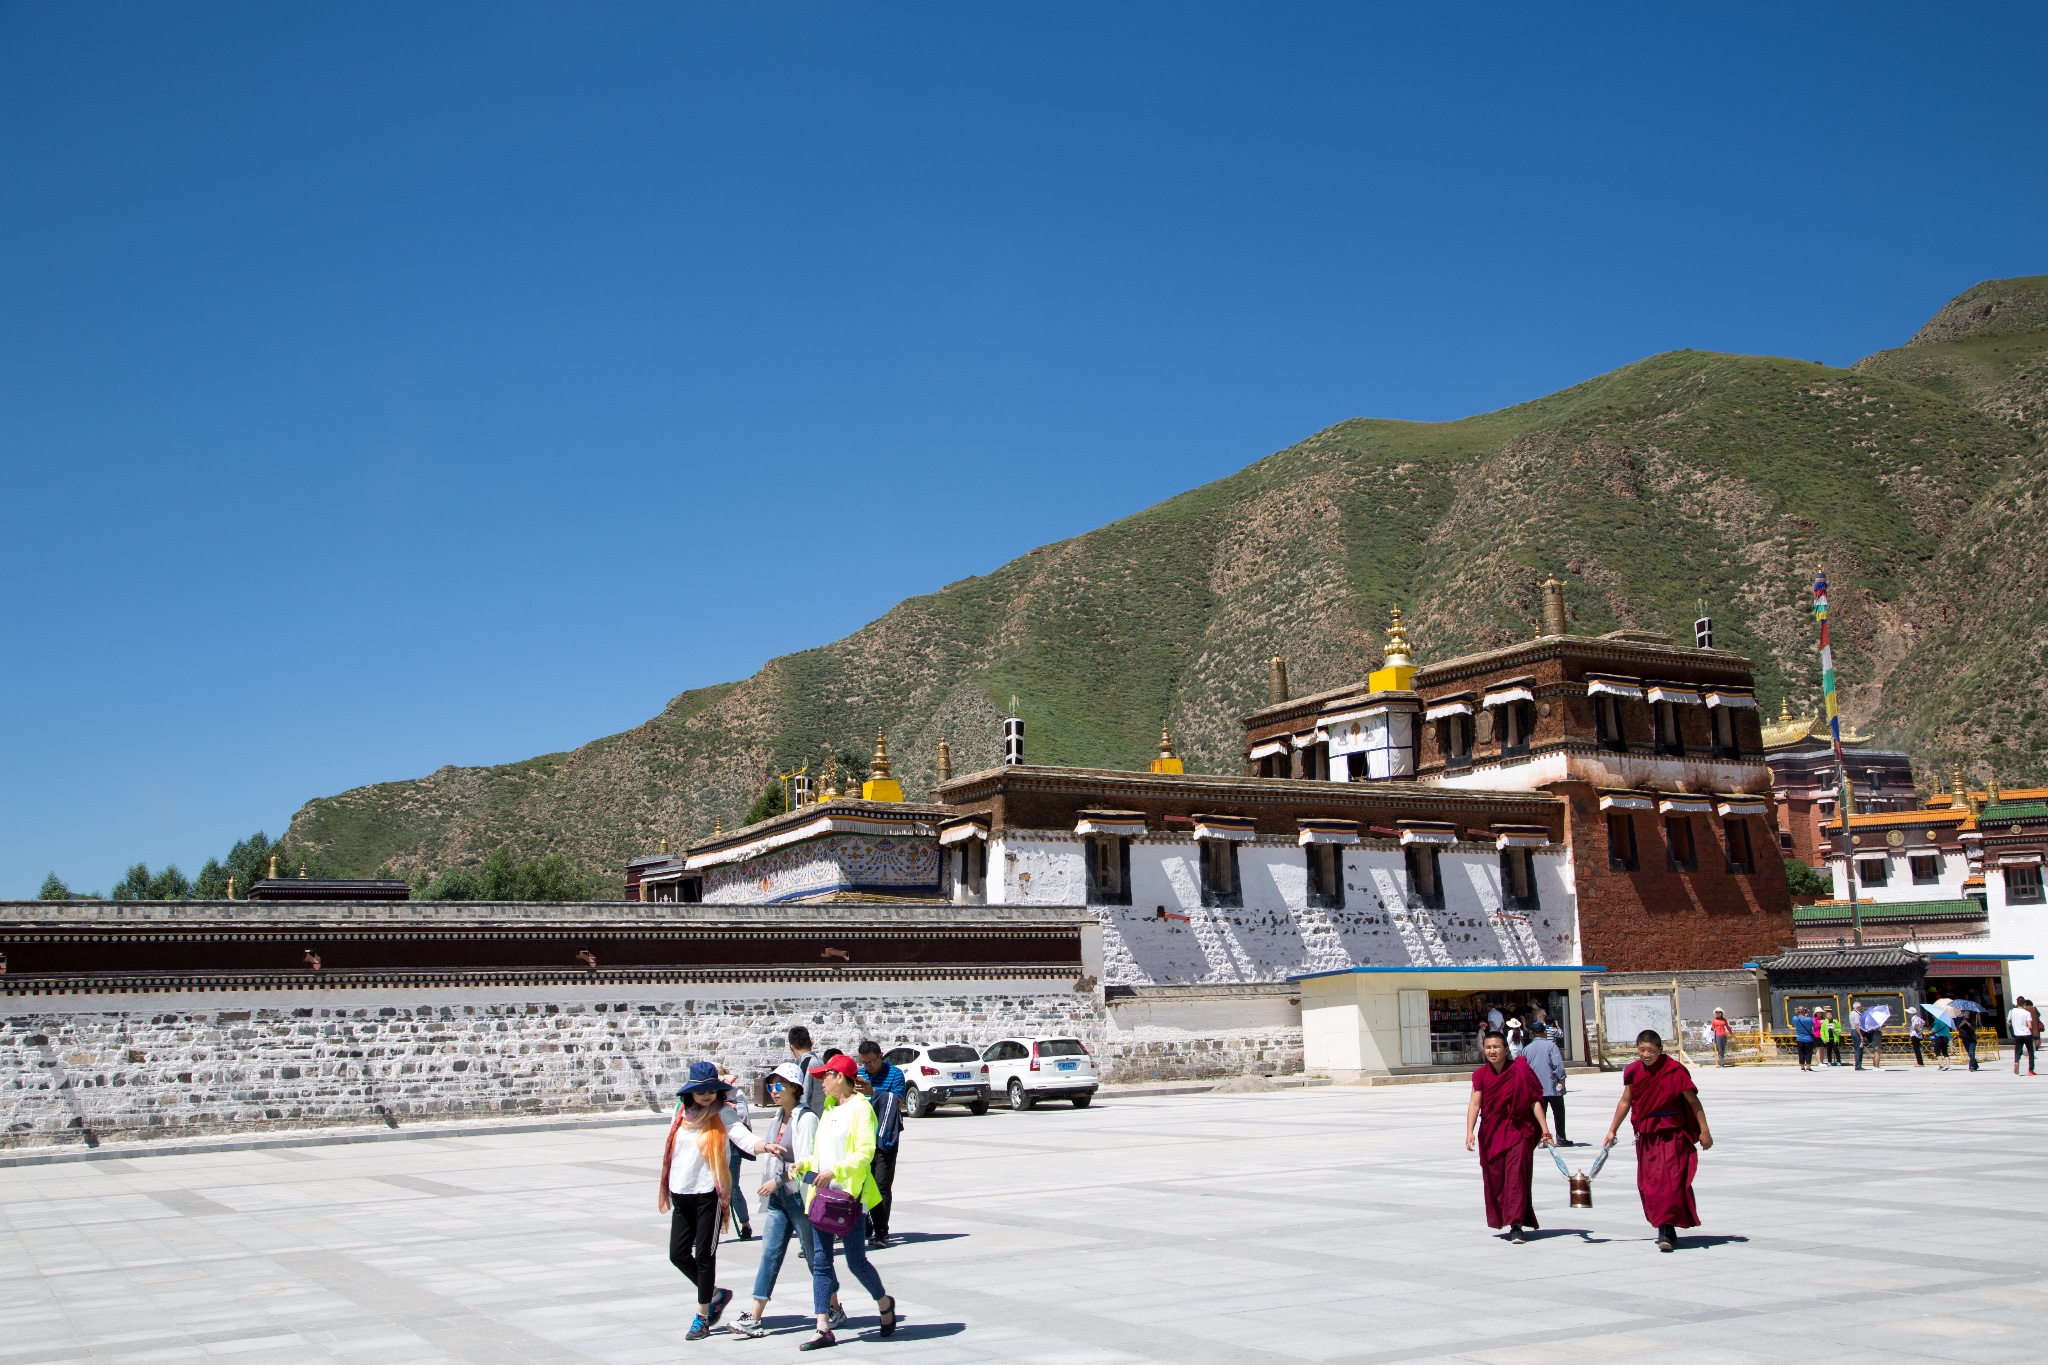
<point x="742" y="1221"/>
<point x="886" y="1090"/>
<point x="1511" y="1098"/>
<point x="2032" y="1009"/>
<point x="1663" y="1107"/>
<point x="1943" y="1031"/>
<point x="1966" y="1029"/>
<point x="696" y="1186"/>
<point x="791" y="1131"/>
<point x="1802" y="1037"/>
<point x="1719" y="1024"/>
<point x="800" y="1053"/>
<point x="1868" y="1028"/>
<point x="1546" y="1059"/>
<point x="842" y="1156"/>
<point x="2019" y="1021"/>
<point x="1916" y="1034"/>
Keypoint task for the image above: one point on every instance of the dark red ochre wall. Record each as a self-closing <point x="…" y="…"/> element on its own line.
<point x="1653" y="919"/>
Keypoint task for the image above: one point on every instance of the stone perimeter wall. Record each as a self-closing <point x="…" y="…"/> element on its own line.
<point x="122" y="1067"/>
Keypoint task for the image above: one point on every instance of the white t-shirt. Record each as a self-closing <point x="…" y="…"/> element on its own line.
<point x="687" y="1171"/>
<point x="2020" y="1022"/>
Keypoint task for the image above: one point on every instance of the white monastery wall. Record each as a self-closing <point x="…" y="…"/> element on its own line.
<point x="127" y="1066"/>
<point x="1166" y="936"/>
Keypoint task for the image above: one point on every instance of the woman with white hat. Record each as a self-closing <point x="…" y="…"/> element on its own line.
<point x="696" y="1183"/>
<point x="782" y="1202"/>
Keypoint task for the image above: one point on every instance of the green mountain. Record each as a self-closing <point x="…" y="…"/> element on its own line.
<point x="1914" y="477"/>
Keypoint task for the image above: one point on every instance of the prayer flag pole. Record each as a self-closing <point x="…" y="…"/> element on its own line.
<point x="1827" y="687"/>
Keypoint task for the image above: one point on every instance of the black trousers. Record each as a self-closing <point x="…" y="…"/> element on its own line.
<point x="693" y="1240"/>
<point x="1805" y="1053"/>
<point x="1555" y="1103"/>
<point x="1834" y="1051"/>
<point x="2023" y="1045"/>
<point x="883" y="1169"/>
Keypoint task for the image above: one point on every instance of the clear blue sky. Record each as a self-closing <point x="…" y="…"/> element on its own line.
<point x="387" y="386"/>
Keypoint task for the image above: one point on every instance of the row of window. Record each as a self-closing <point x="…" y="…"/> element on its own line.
<point x="1667" y="738"/>
<point x="1513" y="724"/>
<point x="1109" y="875"/>
<point x="1681" y="851"/>
<point x="1926" y="869"/>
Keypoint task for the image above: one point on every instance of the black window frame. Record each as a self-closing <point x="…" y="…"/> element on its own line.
<point x="1524" y="715"/>
<point x="1740" y="844"/>
<point x="969" y="867"/>
<point x="1524" y="858"/>
<point x="1454" y="736"/>
<point x="1674" y="823"/>
<point x="1213" y="897"/>
<point x="1417" y="856"/>
<point x="1609" y="732"/>
<point x="1675" y="746"/>
<point x="1717" y="717"/>
<point x="1933" y="860"/>
<point x="1884" y="875"/>
<point x="1320" y="895"/>
<point x="1624" y="820"/>
<point x="2030" y="896"/>
<point x="1096" y="846"/>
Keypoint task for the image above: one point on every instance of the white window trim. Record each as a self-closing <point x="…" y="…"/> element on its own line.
<point x="1627" y="803"/>
<point x="1328" y="836"/>
<point x="960" y="834"/>
<point x="1601" y="687"/>
<point x="1726" y="808"/>
<point x="1680" y="805"/>
<point x="1671" y="692"/>
<point x="1734" y="701"/>
<point x="1220" y="832"/>
<point x="1268" y="748"/>
<point x="1506" y="695"/>
<point x="1428" y="836"/>
<point x="1122" y="828"/>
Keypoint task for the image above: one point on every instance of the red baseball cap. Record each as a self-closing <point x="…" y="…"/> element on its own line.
<point x="842" y="1064"/>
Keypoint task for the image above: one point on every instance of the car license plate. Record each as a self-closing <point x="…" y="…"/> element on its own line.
<point x="962" y="1076"/>
<point x="1068" y="1066"/>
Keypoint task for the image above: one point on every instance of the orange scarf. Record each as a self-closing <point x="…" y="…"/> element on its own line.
<point x="711" y="1141"/>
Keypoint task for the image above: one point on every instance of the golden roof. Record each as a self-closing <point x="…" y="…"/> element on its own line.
<point x="1789" y="729"/>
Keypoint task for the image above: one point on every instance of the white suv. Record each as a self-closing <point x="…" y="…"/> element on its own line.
<point x="950" y="1073"/>
<point x="1028" y="1070"/>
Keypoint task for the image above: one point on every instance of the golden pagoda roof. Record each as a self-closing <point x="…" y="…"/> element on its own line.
<point x="1789" y="729"/>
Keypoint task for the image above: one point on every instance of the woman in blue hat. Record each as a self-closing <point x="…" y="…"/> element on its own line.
<point x="696" y="1183"/>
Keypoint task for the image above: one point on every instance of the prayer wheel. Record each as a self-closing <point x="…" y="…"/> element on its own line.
<point x="1582" y="1191"/>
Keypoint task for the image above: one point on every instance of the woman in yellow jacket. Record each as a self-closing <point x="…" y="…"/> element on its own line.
<point x="841" y="1154"/>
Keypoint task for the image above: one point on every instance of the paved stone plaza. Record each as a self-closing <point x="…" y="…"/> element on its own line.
<point x="1848" y="1217"/>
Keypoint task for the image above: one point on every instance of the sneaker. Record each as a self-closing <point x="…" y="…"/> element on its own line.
<point x="1667" y="1239"/>
<point x="836" y="1321"/>
<point x="699" y="1329"/>
<point x="1515" y="1235"/>
<point x="719" y="1299"/>
<point x="746" y="1325"/>
<point x="882" y="1243"/>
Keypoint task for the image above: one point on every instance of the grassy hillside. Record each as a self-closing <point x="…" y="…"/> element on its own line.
<point x="1685" y="475"/>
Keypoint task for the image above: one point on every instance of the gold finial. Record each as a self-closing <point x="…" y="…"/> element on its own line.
<point x="880" y="765"/>
<point x="1397" y="642"/>
<point x="831" y="780"/>
<point x="231" y="886"/>
<point x="880" y="786"/>
<point x="1276" y="681"/>
<point x="273" y="867"/>
<point x="945" y="761"/>
<point x="1398" y="670"/>
<point x="1785" y="709"/>
<point x="717" y="826"/>
<point x="302" y="869"/>
<point x="664" y="844"/>
<point x="1168" y="761"/>
<point x="1991" y="790"/>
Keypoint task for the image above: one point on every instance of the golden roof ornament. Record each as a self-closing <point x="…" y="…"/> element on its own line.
<point x="831" y="790"/>
<point x="231" y="886"/>
<point x="945" y="762"/>
<point x="273" y="867"/>
<point x="1553" y="606"/>
<point x="880" y="765"/>
<point x="1785" y="709"/>
<point x="717" y="826"/>
<point x="880" y="786"/>
<point x="1398" y="671"/>
<point x="1168" y="761"/>
<point x="664" y="844"/>
<point x="302" y="869"/>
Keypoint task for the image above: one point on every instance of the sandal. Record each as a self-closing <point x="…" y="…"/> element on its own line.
<point x="888" y="1315"/>
<point x="819" y="1342"/>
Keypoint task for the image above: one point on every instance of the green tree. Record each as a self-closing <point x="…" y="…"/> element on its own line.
<point x="503" y="877"/>
<point x="772" y="801"/>
<point x="1804" y="881"/>
<point x="53" y="890"/>
<point x="138" y="885"/>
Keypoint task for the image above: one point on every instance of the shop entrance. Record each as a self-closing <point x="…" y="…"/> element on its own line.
<point x="1458" y="1020"/>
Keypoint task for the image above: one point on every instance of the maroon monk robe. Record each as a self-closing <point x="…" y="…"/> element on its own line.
<point x="1667" y="1136"/>
<point x="1507" y="1140"/>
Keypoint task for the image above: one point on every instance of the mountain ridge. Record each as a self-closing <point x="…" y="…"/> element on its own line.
<point x="1687" y="473"/>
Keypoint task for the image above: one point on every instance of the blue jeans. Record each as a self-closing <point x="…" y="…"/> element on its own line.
<point x="781" y="1214"/>
<point x="824" y="1283"/>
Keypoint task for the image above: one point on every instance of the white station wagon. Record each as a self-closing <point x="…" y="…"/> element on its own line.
<point x="950" y="1073"/>
<point x="1027" y="1070"/>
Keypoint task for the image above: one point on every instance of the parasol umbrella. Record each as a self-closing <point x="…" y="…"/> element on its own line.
<point x="1878" y="1015"/>
<point x="1943" y="1010"/>
<point x="1966" y="1006"/>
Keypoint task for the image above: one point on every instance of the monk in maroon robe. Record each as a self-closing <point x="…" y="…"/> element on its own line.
<point x="1510" y="1098"/>
<point x="1663" y="1106"/>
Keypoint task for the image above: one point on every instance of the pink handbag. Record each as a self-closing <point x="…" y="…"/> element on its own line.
<point x="833" y="1212"/>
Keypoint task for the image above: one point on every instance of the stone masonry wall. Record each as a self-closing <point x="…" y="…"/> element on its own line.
<point x="1151" y="1053"/>
<point x="122" y="1067"/>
